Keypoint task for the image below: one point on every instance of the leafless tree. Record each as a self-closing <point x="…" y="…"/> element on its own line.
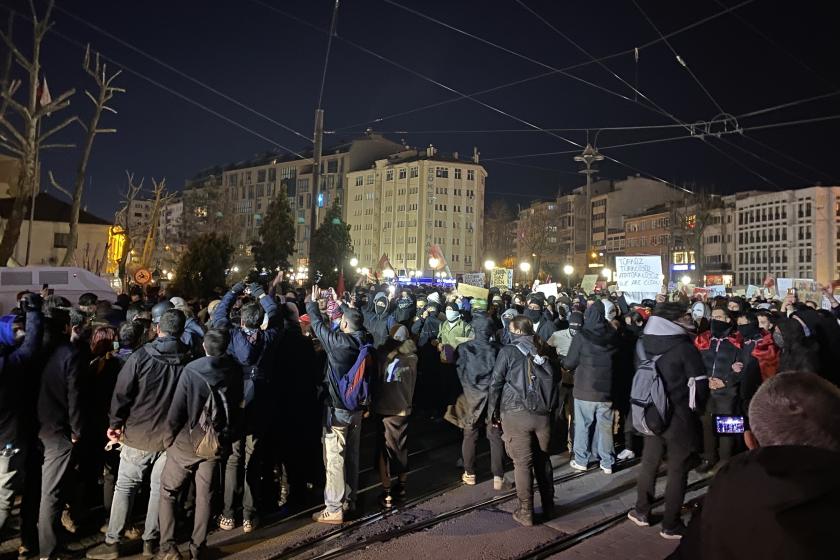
<point x="689" y="221"/>
<point x="98" y="71"/>
<point x="21" y="134"/>
<point x="533" y="232"/>
<point x="160" y="198"/>
<point x="499" y="231"/>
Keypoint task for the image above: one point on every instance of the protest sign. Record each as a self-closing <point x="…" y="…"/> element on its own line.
<point x="807" y="290"/>
<point x="716" y="291"/>
<point x="472" y="291"/>
<point x="639" y="277"/>
<point x="474" y="279"/>
<point x="588" y="283"/>
<point x="752" y="291"/>
<point x="548" y="289"/>
<point x="501" y="278"/>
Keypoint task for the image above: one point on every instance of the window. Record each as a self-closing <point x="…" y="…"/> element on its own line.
<point x="247" y="177"/>
<point x="360" y="181"/>
<point x="61" y="240"/>
<point x="389" y="175"/>
<point x="458" y="173"/>
<point x="370" y="179"/>
<point x="332" y="166"/>
<point x="260" y="175"/>
<point x="414" y="172"/>
<point x="442" y="172"/>
<point x="402" y="173"/>
<point x="470" y="175"/>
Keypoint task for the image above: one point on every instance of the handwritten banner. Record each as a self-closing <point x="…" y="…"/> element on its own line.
<point x="639" y="277"/>
<point x="501" y="278"/>
<point x="474" y="279"/>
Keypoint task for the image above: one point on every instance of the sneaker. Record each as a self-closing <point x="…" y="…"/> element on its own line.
<point x="638" y="518"/>
<point x="149" y="550"/>
<point x="348" y="507"/>
<point x="330" y="518"/>
<point x="387" y="499"/>
<point x="132" y="533"/>
<point x="674" y="534"/>
<point x="498" y="483"/>
<point x="626" y="455"/>
<point x="577" y="467"/>
<point x="171" y="554"/>
<point x="104" y="551"/>
<point x="226" y="523"/>
<point x="68" y="523"/>
<point x="249" y="525"/>
<point x="468" y="479"/>
<point x="607" y="470"/>
<point x="24" y="553"/>
<point x="705" y="467"/>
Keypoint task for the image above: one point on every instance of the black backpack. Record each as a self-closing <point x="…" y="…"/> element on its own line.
<point x="212" y="433"/>
<point x="541" y="388"/>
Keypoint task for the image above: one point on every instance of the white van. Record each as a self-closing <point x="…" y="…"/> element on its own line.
<point x="67" y="281"/>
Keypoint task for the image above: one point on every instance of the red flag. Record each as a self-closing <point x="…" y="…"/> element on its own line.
<point x="435" y="252"/>
<point x="44" y="97"/>
<point x="340" y="288"/>
<point x="384" y="263"/>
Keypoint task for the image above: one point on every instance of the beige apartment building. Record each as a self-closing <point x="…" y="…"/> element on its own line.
<point x="414" y="199"/>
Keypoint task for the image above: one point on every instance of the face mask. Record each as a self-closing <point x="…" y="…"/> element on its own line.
<point x="720" y="328"/>
<point x="452" y="315"/>
<point x="534" y="315"/>
<point x="749" y="330"/>
<point x="697" y="313"/>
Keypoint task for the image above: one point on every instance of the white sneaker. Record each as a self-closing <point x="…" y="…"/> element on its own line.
<point x="330" y="518"/>
<point x="607" y="470"/>
<point x="468" y="479"/>
<point x="626" y="455"/>
<point x="575" y="466"/>
<point x="498" y="483"/>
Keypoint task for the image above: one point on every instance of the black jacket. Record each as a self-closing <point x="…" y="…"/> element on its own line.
<point x="379" y="322"/>
<point x="772" y="503"/>
<point x="224" y="374"/>
<point x="406" y="310"/>
<point x="509" y="382"/>
<point x="144" y="391"/>
<point x="476" y="359"/>
<point x="426" y="329"/>
<point x="679" y="361"/>
<point x="546" y="328"/>
<point x="15" y="366"/>
<point x="342" y="350"/>
<point x="59" y="398"/>
<point x="591" y="356"/>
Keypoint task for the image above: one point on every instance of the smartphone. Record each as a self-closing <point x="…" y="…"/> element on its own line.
<point x="729" y="424"/>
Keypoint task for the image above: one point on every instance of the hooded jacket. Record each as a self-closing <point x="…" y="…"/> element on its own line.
<point x="15" y="362"/>
<point x="450" y="332"/>
<point x="679" y="361"/>
<point x="406" y="310"/>
<point x="426" y="329"/>
<point x="591" y="356"/>
<point x="718" y="356"/>
<point x="144" y="390"/>
<point x="60" y="394"/>
<point x="772" y="503"/>
<point x="393" y="392"/>
<point x="476" y="359"/>
<point x="378" y="322"/>
<point x="509" y="382"/>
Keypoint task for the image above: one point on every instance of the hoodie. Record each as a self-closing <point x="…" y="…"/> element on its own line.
<point x="591" y="356"/>
<point x="475" y="367"/>
<point x="787" y="495"/>
<point x="393" y="391"/>
<point x="378" y="319"/>
<point x="406" y="310"/>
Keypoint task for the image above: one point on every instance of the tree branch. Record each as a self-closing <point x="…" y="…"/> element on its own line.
<point x="11" y="148"/>
<point x="63" y="125"/>
<point x="53" y="146"/>
<point x="57" y="186"/>
<point x="56" y="104"/>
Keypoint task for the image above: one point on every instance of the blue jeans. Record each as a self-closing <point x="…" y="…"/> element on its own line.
<point x="341" y="458"/>
<point x="134" y="465"/>
<point x="599" y="413"/>
<point x="11" y="476"/>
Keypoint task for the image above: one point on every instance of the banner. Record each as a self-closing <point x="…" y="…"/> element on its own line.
<point x="808" y="290"/>
<point x="753" y="291"/>
<point x="588" y="283"/>
<point x="501" y="278"/>
<point x="467" y="290"/>
<point x="474" y="279"/>
<point x="548" y="289"/>
<point x="639" y="277"/>
<point x="716" y="291"/>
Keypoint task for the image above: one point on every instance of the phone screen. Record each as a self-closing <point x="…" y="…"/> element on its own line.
<point x="729" y="424"/>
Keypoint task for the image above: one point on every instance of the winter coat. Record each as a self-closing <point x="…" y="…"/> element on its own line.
<point x="509" y="382"/>
<point x="379" y="322"/>
<point x="15" y="363"/>
<point x="561" y="341"/>
<point x="224" y="375"/>
<point x="393" y="391"/>
<point x="342" y="351"/>
<point x="718" y="356"/>
<point x="406" y="310"/>
<point x="545" y="328"/>
<point x="476" y="359"/>
<point x="679" y="361"/>
<point x="591" y="356"/>
<point x="779" y="502"/>
<point x="59" y="398"/>
<point x="193" y="337"/>
<point x="426" y="330"/>
<point x="144" y="391"/>
<point x="449" y="333"/>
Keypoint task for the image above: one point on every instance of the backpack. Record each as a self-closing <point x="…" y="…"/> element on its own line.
<point x="353" y="388"/>
<point x="650" y="407"/>
<point x="541" y="389"/>
<point x="213" y="429"/>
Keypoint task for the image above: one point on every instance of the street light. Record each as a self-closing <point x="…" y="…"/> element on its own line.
<point x="433" y="262"/>
<point x="388" y="273"/>
<point x="365" y="271"/>
<point x="686" y="280"/>
<point x="568" y="270"/>
<point x="606" y="273"/>
<point x="489" y="264"/>
<point x="354" y="262"/>
<point x="525" y="267"/>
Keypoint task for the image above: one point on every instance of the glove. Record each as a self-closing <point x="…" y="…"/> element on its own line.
<point x="257" y="290"/>
<point x="238" y="288"/>
<point x="32" y="302"/>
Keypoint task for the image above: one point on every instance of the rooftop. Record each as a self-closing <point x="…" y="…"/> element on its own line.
<point x="50" y="209"/>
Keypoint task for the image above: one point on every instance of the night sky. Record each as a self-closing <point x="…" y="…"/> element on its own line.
<point x="763" y="54"/>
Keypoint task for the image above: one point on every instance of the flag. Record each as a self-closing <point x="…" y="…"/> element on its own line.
<point x="44" y="97"/>
<point x="384" y="263"/>
<point x="436" y="253"/>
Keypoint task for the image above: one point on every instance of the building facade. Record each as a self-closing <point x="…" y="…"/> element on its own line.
<point x="412" y="200"/>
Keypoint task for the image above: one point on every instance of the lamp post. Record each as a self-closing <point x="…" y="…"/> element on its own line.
<point x="354" y="262"/>
<point x="568" y="270"/>
<point x="489" y="264"/>
<point x="607" y="273"/>
<point x="589" y="156"/>
<point x="525" y="267"/>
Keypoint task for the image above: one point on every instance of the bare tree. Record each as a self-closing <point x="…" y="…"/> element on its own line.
<point x="536" y="226"/>
<point x="498" y="231"/>
<point x="24" y="137"/>
<point x="689" y="221"/>
<point x="160" y="198"/>
<point x="98" y="72"/>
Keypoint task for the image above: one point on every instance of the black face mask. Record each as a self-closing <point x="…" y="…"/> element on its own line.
<point x="519" y="309"/>
<point x="534" y="315"/>
<point x="749" y="330"/>
<point x="720" y="328"/>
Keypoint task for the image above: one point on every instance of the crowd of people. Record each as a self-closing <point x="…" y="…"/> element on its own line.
<point x="221" y="409"/>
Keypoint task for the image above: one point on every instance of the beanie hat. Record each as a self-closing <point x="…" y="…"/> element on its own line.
<point x="179" y="303"/>
<point x="434" y="297"/>
<point x="399" y="333"/>
<point x="452" y="305"/>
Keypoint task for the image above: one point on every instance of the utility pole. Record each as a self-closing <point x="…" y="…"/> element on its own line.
<point x="589" y="156"/>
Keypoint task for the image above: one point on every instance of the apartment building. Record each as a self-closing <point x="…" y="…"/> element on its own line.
<point x="412" y="200"/>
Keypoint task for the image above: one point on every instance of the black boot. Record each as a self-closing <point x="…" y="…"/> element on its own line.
<point x="524" y="514"/>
